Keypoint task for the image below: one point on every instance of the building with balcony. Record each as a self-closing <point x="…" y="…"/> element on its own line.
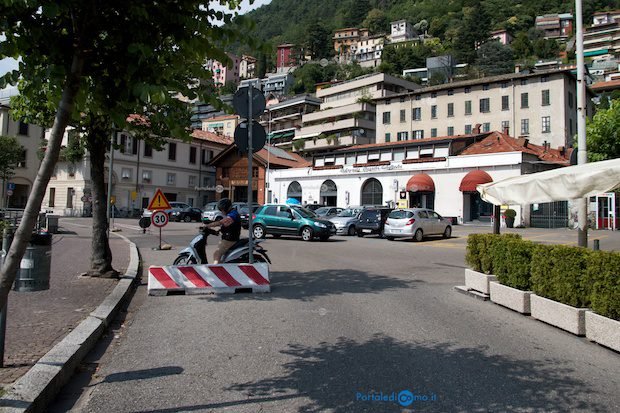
<point x="541" y="106"/>
<point x="202" y="111"/>
<point x="555" y="26"/>
<point x="221" y="125"/>
<point x="401" y="31"/>
<point x="285" y="58"/>
<point x="345" y="42"/>
<point x="347" y="113"/>
<point x="247" y="67"/>
<point x="368" y="50"/>
<point x="603" y="37"/>
<point x="225" y="72"/>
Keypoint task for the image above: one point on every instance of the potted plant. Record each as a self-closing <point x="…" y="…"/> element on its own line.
<point x="509" y="217"/>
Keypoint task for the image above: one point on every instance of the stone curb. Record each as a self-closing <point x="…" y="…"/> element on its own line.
<point x="40" y="385"/>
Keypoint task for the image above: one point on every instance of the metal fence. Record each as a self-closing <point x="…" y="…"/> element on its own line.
<point x="549" y="215"/>
<point x="14" y="216"/>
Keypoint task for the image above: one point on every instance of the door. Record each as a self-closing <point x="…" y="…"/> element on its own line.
<point x="435" y="220"/>
<point x="606" y="208"/>
<point x="287" y="222"/>
<point x="425" y="224"/>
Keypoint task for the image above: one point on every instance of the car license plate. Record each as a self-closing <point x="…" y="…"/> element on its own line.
<point x="398" y="231"/>
<point x="367" y="231"/>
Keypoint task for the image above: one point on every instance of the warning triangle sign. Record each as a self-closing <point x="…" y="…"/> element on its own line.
<point x="159" y="201"/>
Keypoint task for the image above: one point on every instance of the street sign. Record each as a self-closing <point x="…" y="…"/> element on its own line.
<point x="241" y="102"/>
<point x="258" y="137"/>
<point x="9" y="192"/>
<point x="159" y="219"/>
<point x="112" y="199"/>
<point x="134" y="195"/>
<point x="10" y="186"/>
<point x="219" y="189"/>
<point x="159" y="201"/>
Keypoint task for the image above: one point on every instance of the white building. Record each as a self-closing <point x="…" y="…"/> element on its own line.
<point x="401" y="31"/>
<point x="439" y="173"/>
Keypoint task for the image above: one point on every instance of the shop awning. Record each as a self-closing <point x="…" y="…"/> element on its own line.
<point x="473" y="179"/>
<point x="420" y="183"/>
<point x="571" y="182"/>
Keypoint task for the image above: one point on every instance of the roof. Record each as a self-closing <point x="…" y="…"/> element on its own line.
<point x="609" y="85"/>
<point x="211" y="137"/>
<point x="223" y="117"/>
<point x="409" y="142"/>
<point x="498" y="142"/>
<point x="285" y="160"/>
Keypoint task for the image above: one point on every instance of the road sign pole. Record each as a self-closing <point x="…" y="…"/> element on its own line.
<point x="250" y="157"/>
<point x="160" y="238"/>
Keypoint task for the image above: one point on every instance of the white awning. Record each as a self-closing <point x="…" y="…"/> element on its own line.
<point x="572" y="182"/>
<point x="309" y="135"/>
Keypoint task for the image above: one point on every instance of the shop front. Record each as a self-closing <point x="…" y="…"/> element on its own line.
<point x="474" y="208"/>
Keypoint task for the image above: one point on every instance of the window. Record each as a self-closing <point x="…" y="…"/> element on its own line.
<point x="418" y="134"/>
<point x="225" y="172"/>
<point x="486" y="127"/>
<point x="570" y="100"/>
<point x="434" y="95"/>
<point x="192" y="154"/>
<point x="191" y="181"/>
<point x="386" y="118"/>
<point x="387" y="137"/>
<point x="523" y="82"/>
<point x="505" y="103"/>
<point x="372" y="192"/>
<point x="206" y="156"/>
<point x="271" y="210"/>
<point x="402" y="99"/>
<point x="23" y="128"/>
<point x="172" y="151"/>
<point x="450" y="130"/>
<point x="255" y="172"/>
<point x="467" y="129"/>
<point x="485" y="105"/>
<point x="433" y="132"/>
<point x="544" y="79"/>
<point x="125" y="173"/>
<point x="148" y="150"/>
<point x="22" y="160"/>
<point x="525" y="126"/>
<point x="171" y="179"/>
<point x="147" y="176"/>
<point x="468" y="107"/>
<point x="134" y="146"/>
<point x="546" y="124"/>
<point x="525" y="101"/>
<point x="52" y="200"/>
<point x="434" y="112"/>
<point x="504" y="85"/>
<point x="206" y="181"/>
<point x="450" y="92"/>
<point x="467" y="89"/>
<point x="388" y="101"/>
<point x="506" y="126"/>
<point x="485" y="86"/>
<point x="402" y="136"/>
<point x="546" y="99"/>
<point x="416" y="113"/>
<point x="294" y="191"/>
<point x="450" y="110"/>
<point x="402" y="115"/>
<point x="70" y="193"/>
<point x="418" y="97"/>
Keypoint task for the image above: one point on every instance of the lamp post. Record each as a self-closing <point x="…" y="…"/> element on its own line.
<point x="582" y="206"/>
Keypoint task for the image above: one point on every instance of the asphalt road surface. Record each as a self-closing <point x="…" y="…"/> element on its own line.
<point x="349" y="323"/>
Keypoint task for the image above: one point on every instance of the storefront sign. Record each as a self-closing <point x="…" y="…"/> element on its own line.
<point x="381" y="168"/>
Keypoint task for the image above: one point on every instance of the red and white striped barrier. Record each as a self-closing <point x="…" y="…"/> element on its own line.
<point x="206" y="279"/>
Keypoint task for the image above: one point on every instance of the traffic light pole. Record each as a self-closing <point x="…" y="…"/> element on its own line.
<point x="250" y="157"/>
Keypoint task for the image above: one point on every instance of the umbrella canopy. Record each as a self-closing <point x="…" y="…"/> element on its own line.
<point x="293" y="201"/>
<point x="572" y="182"/>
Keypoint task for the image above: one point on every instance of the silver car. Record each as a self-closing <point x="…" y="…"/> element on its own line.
<point x="211" y="213"/>
<point x="346" y="221"/>
<point x="416" y="223"/>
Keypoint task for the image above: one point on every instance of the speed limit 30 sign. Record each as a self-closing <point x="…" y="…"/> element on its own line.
<point x="159" y="219"/>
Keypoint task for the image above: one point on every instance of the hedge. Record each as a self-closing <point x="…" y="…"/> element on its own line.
<point x="571" y="275"/>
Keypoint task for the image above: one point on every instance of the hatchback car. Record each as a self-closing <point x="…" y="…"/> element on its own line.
<point x="210" y="212"/>
<point x="244" y="213"/>
<point x="174" y="206"/>
<point x="278" y="219"/>
<point x="186" y="215"/>
<point x="372" y="220"/>
<point x="346" y="221"/>
<point x="328" y="212"/>
<point x="416" y="223"/>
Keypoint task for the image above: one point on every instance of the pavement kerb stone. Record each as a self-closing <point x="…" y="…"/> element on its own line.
<point x="40" y="385"/>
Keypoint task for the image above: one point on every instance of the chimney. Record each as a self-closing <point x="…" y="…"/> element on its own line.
<point x="506" y="131"/>
<point x="562" y="150"/>
<point x="477" y="128"/>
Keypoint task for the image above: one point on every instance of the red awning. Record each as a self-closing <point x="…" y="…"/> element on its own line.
<point x="473" y="178"/>
<point x="421" y="183"/>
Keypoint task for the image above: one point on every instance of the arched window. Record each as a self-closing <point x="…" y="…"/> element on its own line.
<point x="372" y="192"/>
<point x="294" y="191"/>
<point x="329" y="193"/>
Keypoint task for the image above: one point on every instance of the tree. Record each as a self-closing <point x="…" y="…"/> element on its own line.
<point x="495" y="58"/>
<point x="67" y="46"/>
<point x="474" y="31"/>
<point x="10" y="154"/>
<point x="522" y="46"/>
<point x="318" y="41"/>
<point x="376" y="21"/>
<point x="603" y="133"/>
<point x="357" y="11"/>
<point x="229" y="88"/>
<point x="546" y="48"/>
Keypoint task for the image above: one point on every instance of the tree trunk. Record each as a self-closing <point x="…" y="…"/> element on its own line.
<point x="101" y="255"/>
<point x="33" y="206"/>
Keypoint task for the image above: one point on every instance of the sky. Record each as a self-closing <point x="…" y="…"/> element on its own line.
<point x="10" y="64"/>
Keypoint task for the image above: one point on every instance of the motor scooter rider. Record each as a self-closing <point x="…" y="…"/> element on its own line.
<point x="230" y="228"/>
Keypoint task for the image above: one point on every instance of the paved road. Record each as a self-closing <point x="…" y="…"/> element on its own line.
<point x="346" y="320"/>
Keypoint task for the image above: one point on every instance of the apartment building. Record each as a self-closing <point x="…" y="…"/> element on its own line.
<point x="221" y="125"/>
<point x="368" y="50"/>
<point x="401" y="31"/>
<point x="29" y="137"/>
<point x="539" y="105"/>
<point x="555" y="26"/>
<point x="285" y="57"/>
<point x="225" y="72"/>
<point x="282" y="119"/>
<point x="347" y="113"/>
<point x="603" y="36"/>
<point x="345" y="42"/>
<point x="180" y="170"/>
<point x="247" y="67"/>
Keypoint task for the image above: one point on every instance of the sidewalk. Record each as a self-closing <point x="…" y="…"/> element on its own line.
<point x="36" y="321"/>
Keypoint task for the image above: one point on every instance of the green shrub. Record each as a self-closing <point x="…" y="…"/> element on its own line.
<point x="518" y="264"/>
<point x="510" y="213"/>
<point x="559" y="273"/>
<point x="603" y="272"/>
<point x="472" y="255"/>
<point x="482" y="254"/>
<point x="3" y="224"/>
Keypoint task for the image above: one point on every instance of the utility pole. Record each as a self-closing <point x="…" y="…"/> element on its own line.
<point x="250" y="164"/>
<point x="109" y="206"/>
<point x="582" y="212"/>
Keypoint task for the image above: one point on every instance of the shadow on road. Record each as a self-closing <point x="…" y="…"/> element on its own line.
<point x="142" y="374"/>
<point x="306" y="286"/>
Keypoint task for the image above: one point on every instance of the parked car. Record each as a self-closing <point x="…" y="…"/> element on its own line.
<point x="372" y="221"/>
<point x="186" y="215"/>
<point x="280" y="219"/>
<point x="174" y="206"/>
<point x="346" y="220"/>
<point x="244" y="212"/>
<point x="416" y="223"/>
<point x="313" y="207"/>
<point x="211" y="213"/>
<point x="328" y="212"/>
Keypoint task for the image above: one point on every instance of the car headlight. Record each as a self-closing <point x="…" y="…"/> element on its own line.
<point x="320" y="225"/>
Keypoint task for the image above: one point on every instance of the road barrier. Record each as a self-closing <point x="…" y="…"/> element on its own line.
<point x="208" y="279"/>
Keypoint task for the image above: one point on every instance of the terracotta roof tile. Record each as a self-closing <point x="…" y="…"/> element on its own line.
<point x="296" y="162"/>
<point x="211" y="137"/>
<point x="223" y="117"/>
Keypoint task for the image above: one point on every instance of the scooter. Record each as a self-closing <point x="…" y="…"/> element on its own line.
<point x="238" y="253"/>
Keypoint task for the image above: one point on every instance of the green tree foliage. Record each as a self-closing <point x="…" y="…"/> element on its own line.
<point x="357" y="11"/>
<point x="494" y="58"/>
<point x="318" y="41"/>
<point x="10" y="154"/>
<point x="474" y="31"/>
<point x="546" y="48"/>
<point x="603" y="133"/>
<point x="229" y="88"/>
<point x="522" y="46"/>
<point x="395" y="60"/>
<point x="377" y="22"/>
<point x="308" y="75"/>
